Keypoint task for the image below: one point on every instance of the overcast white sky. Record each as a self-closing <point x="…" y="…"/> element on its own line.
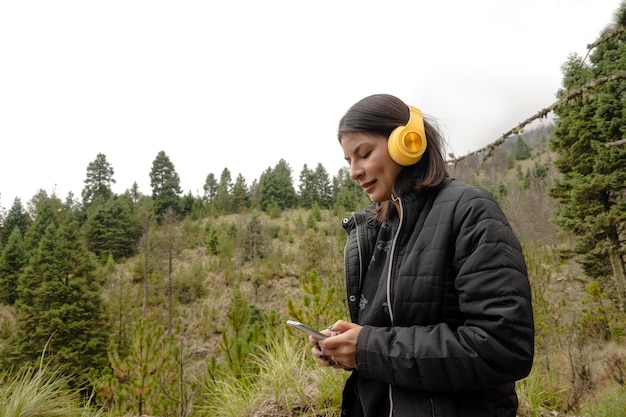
<point x="240" y="84"/>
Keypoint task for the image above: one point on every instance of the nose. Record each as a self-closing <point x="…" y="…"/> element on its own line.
<point x="355" y="171"/>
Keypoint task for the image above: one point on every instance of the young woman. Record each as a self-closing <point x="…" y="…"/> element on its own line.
<point x="437" y="287"/>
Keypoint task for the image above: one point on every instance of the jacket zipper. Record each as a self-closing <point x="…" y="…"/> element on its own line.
<point x="393" y="248"/>
<point x="358" y="245"/>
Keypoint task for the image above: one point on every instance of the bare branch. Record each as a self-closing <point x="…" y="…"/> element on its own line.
<point x="616" y="143"/>
<point x="543" y="113"/>
<point x="612" y="34"/>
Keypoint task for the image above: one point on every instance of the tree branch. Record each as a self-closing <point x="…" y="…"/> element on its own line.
<point x="612" y="34"/>
<point x="542" y="113"/>
<point x="616" y="143"/>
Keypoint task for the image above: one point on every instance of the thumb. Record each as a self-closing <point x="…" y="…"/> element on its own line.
<point x="340" y="326"/>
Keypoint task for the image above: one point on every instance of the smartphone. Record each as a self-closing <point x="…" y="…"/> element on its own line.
<point x="306" y="329"/>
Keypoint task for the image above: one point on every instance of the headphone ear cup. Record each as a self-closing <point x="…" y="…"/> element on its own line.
<point x="407" y="144"/>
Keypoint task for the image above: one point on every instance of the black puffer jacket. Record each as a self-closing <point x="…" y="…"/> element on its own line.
<point x="460" y="305"/>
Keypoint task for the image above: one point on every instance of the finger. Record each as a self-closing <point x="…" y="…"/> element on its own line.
<point x="335" y="363"/>
<point x="339" y="326"/>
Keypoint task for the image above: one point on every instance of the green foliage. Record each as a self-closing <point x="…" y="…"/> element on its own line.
<point x="59" y="297"/>
<point x="224" y="395"/>
<point x="16" y="217"/>
<point x="594" y="322"/>
<point x="539" y="394"/>
<point x="510" y="161"/>
<point x="165" y="185"/>
<point x="199" y="209"/>
<point x="319" y="306"/>
<point x="313" y="250"/>
<point x="600" y="319"/>
<point x="273" y="210"/>
<point x="560" y="372"/>
<point x="611" y="404"/>
<point x="240" y="196"/>
<point x="227" y="243"/>
<point x="192" y="233"/>
<point x="501" y="191"/>
<point x="99" y="180"/>
<point x="533" y="175"/>
<point x="111" y="228"/>
<point x="47" y="211"/>
<point x="591" y="188"/>
<point x="189" y="284"/>
<point x="13" y="260"/>
<point x="211" y="239"/>
<point x="314" y="217"/>
<point x="40" y="391"/>
<point x="276" y="187"/>
<point x="121" y="308"/>
<point x="255" y="239"/>
<point x="522" y="151"/>
<point x="139" y="380"/>
<point x="263" y="272"/>
<point x="316" y="212"/>
<point x="222" y="200"/>
<point x="287" y="382"/>
<point x="239" y="337"/>
<point x="210" y="188"/>
<point x="186" y="205"/>
<point x="314" y="187"/>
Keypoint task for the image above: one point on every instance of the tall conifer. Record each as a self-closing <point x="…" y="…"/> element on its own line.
<point x="165" y="184"/>
<point x="593" y="183"/>
<point x="60" y="306"/>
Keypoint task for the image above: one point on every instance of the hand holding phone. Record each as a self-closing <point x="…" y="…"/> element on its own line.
<point x="306" y="329"/>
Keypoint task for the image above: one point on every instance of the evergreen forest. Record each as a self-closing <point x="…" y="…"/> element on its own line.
<point x="172" y="304"/>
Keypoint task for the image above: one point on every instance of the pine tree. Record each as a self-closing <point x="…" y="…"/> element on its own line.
<point x="240" y="337"/>
<point x="322" y="186"/>
<point x="165" y="184"/>
<point x="593" y="182"/>
<point x="60" y="306"/>
<point x="306" y="187"/>
<point x="13" y="260"/>
<point x="522" y="151"/>
<point x="134" y="193"/>
<point x="276" y="187"/>
<point x="186" y="204"/>
<point x="314" y="187"/>
<point x="210" y="188"/>
<point x="240" y="197"/>
<point x="136" y="385"/>
<point x="16" y="217"/>
<point x="47" y="211"/>
<point x="222" y="200"/>
<point x="111" y="228"/>
<point x="99" y="180"/>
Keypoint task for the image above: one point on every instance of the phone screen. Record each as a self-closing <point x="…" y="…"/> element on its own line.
<point x="306" y="329"/>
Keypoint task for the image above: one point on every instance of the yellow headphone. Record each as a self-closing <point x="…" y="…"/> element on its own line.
<point x="407" y="144"/>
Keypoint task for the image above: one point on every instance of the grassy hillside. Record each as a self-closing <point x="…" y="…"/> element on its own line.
<point x="219" y="346"/>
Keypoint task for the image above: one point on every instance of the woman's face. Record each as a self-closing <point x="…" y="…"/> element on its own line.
<point x="370" y="164"/>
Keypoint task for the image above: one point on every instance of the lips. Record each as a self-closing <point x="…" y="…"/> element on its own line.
<point x="367" y="185"/>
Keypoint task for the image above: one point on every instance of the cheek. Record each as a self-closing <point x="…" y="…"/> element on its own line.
<point x="392" y="168"/>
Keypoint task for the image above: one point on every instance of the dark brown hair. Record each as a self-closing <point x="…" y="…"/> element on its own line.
<point x="381" y="114"/>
